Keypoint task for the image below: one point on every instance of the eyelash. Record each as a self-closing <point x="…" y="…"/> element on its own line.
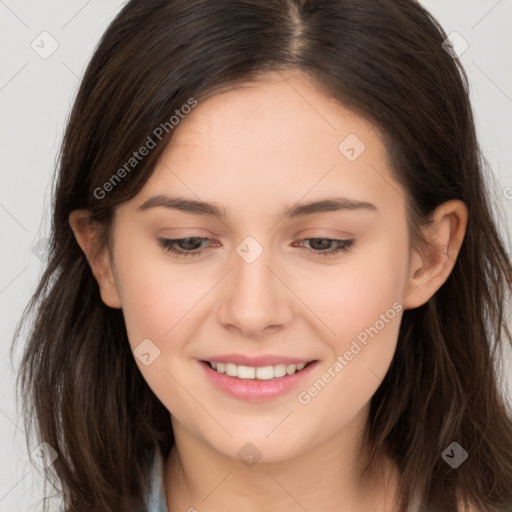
<point x="168" y="245"/>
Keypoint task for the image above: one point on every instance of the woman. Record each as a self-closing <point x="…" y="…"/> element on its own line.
<point x="275" y="281"/>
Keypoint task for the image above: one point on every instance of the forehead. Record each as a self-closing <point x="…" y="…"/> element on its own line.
<point x="277" y="109"/>
<point x="271" y="142"/>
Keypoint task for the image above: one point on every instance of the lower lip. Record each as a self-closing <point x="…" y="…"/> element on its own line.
<point x="255" y="390"/>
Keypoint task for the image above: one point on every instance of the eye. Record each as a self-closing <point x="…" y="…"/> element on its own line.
<point x="323" y="243"/>
<point x="191" y="246"/>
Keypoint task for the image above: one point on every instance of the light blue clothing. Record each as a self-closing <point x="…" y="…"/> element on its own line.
<point x="156" y="495"/>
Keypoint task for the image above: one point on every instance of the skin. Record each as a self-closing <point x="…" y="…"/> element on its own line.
<point x="252" y="151"/>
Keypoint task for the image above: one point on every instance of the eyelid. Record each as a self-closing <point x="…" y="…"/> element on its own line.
<point x="341" y="246"/>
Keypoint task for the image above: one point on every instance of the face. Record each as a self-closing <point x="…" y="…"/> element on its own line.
<point x="264" y="283"/>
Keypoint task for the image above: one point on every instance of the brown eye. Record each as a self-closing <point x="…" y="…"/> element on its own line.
<point x="324" y="246"/>
<point x="190" y="246"/>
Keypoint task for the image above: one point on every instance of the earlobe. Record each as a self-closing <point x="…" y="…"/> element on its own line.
<point x="87" y="235"/>
<point x="429" y="269"/>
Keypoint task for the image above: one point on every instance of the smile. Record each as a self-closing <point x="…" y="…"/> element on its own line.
<point x="256" y="383"/>
<point x="256" y="372"/>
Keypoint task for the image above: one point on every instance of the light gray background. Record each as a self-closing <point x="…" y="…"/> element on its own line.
<point x="36" y="95"/>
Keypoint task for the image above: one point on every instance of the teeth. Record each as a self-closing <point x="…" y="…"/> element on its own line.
<point x="291" y="368"/>
<point x="261" y="372"/>
<point x="265" y="372"/>
<point x="246" y="372"/>
<point x="231" y="370"/>
<point x="279" y="370"/>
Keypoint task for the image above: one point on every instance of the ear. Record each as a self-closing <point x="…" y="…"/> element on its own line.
<point x="87" y="234"/>
<point x="429" y="268"/>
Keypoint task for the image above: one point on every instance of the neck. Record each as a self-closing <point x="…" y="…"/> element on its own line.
<point x="325" y="477"/>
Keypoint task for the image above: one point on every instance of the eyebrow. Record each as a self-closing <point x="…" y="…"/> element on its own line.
<point x="298" y="210"/>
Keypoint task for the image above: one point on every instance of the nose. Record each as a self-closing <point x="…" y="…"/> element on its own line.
<point x="254" y="300"/>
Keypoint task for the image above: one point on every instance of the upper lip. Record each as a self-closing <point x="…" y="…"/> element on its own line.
<point x="256" y="361"/>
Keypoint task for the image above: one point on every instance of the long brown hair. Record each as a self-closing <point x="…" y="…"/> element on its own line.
<point x="383" y="59"/>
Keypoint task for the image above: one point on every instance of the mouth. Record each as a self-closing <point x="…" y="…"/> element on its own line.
<point x="257" y="383"/>
<point x="268" y="372"/>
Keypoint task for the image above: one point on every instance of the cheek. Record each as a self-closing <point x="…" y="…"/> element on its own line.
<point x="159" y="308"/>
<point x="345" y="384"/>
<point x="156" y="300"/>
<point x="353" y="296"/>
<point x="155" y="296"/>
<point x="362" y="307"/>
